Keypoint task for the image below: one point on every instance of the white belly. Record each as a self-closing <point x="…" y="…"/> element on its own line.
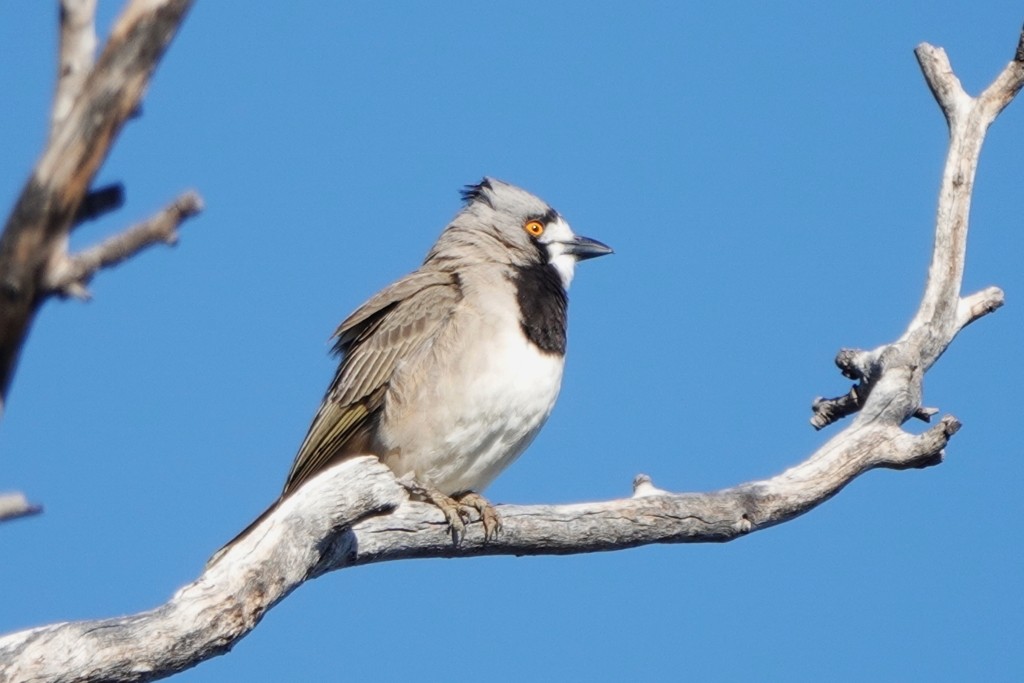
<point x="468" y="416"/>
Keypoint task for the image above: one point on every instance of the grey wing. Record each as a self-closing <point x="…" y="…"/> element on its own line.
<point x="391" y="325"/>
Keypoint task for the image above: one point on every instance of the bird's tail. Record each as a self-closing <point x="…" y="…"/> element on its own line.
<point x="243" y="533"/>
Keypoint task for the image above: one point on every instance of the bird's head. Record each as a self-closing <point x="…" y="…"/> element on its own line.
<point x="507" y="224"/>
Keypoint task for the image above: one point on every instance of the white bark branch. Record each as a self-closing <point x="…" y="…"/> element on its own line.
<point x="942" y="313"/>
<point x="355" y="513"/>
<point x="206" y="617"/>
<point x="977" y="305"/>
<point x="969" y="119"/>
<point x="416" y="530"/>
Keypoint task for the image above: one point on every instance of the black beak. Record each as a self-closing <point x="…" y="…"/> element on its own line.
<point x="584" y="247"/>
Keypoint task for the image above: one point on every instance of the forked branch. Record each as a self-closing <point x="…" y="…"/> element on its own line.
<point x="91" y="104"/>
<point x="68" y="274"/>
<point x="355" y="513"/>
<point x="943" y="311"/>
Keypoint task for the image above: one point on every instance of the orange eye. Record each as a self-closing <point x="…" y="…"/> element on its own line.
<point x="535" y="228"/>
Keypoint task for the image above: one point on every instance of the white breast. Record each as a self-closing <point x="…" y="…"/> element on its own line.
<point x="481" y="395"/>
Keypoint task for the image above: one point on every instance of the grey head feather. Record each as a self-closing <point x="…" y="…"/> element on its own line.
<point x="489" y="228"/>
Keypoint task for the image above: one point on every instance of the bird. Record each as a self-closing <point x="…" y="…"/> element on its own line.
<point x="449" y="373"/>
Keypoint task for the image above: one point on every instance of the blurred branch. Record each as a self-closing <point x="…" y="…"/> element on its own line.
<point x="68" y="274"/>
<point x="77" y="51"/>
<point x="16" y="505"/>
<point x="91" y="104"/>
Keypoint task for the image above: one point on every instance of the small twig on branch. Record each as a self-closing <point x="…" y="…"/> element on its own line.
<point x="644" y="486"/>
<point x="825" y="411"/>
<point x="69" y="274"/>
<point x="1007" y="84"/>
<point x="863" y="366"/>
<point x="16" y="505"/>
<point x="978" y="305"/>
<point x="941" y="80"/>
<point x="828" y="410"/>
<point x="858" y="363"/>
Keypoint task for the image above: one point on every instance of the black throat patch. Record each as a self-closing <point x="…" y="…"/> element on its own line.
<point x="542" y="306"/>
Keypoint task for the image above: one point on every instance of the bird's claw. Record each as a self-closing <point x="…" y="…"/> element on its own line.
<point x="457" y="511"/>
<point x="455" y="514"/>
<point x="488" y="515"/>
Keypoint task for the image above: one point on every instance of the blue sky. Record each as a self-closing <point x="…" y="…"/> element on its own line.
<point x="767" y="174"/>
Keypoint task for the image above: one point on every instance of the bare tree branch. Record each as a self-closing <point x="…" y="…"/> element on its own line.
<point x="16" y="505"/>
<point x="355" y="513"/>
<point x="206" y="617"/>
<point x="300" y="540"/>
<point x="69" y="274"/>
<point x="942" y="313"/>
<point x="415" y="530"/>
<point x="978" y="305"/>
<point x="81" y="137"/>
<point x="77" y="51"/>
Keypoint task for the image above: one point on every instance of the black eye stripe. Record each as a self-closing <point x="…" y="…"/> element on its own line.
<point x="546" y="218"/>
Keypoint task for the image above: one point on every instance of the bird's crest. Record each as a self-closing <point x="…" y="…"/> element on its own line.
<point x="478" y="193"/>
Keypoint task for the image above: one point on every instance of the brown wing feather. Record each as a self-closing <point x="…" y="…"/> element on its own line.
<point x="372" y="340"/>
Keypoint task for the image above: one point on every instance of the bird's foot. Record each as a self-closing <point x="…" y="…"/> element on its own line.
<point x="488" y="515"/>
<point x="456" y="511"/>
